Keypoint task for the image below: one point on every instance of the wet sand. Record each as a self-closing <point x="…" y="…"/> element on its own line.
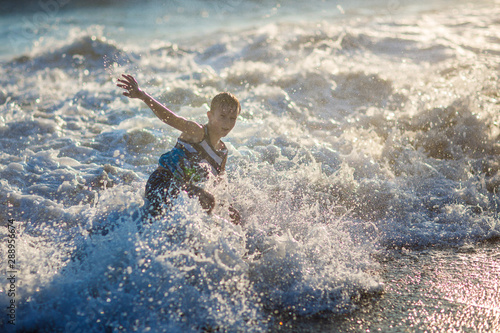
<point x="442" y="290"/>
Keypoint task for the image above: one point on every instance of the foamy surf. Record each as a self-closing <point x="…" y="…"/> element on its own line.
<point x="357" y="134"/>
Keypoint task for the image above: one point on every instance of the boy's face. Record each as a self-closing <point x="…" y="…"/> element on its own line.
<point x="223" y="119"/>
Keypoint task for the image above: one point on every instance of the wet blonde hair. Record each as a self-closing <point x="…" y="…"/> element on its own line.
<point x="225" y="99"/>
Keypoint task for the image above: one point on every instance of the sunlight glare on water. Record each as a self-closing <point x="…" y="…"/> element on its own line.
<point x="364" y="163"/>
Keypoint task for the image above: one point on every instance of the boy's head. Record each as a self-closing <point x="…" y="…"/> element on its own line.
<point x="225" y="99"/>
<point x="224" y="111"/>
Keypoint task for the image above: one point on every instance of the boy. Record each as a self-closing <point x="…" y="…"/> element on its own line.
<point x="198" y="152"/>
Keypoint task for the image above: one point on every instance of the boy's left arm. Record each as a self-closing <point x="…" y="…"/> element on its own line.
<point x="190" y="128"/>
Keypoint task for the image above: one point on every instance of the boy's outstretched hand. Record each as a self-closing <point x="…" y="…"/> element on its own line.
<point x="129" y="83"/>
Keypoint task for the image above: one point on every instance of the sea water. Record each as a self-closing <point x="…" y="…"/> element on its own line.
<point x="366" y="127"/>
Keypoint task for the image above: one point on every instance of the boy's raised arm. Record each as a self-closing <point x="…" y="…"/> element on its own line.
<point x="190" y="128"/>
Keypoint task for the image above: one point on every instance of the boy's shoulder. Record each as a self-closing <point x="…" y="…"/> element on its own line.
<point x="222" y="146"/>
<point x="195" y="137"/>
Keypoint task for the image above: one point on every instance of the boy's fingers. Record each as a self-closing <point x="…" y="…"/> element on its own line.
<point x="127" y="82"/>
<point x="124" y="77"/>
<point x="130" y="82"/>
<point x="132" y="79"/>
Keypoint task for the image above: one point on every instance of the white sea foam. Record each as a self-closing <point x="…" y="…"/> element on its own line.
<point x="356" y="134"/>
